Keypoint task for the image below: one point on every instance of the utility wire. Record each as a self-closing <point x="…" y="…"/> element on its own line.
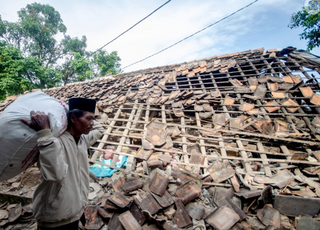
<point x="192" y="34"/>
<point x="132" y="26"/>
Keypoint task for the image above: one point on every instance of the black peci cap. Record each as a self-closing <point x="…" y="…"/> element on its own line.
<point x="84" y="104"/>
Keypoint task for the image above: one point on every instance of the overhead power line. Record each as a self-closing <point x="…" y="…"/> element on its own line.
<point x="224" y="18"/>
<point x="132" y="26"/>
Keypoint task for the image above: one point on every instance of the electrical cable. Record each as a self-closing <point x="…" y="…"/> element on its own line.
<point x="132" y="26"/>
<point x="224" y="18"/>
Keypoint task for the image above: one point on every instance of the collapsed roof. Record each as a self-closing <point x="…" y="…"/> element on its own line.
<point x="255" y="107"/>
<point x="242" y="121"/>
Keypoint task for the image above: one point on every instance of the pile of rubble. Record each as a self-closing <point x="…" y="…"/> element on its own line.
<point x="182" y="201"/>
<point x="16" y="198"/>
<point x="228" y="142"/>
<point x="171" y="198"/>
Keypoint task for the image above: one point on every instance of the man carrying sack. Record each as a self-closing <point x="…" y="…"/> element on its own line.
<point x="60" y="199"/>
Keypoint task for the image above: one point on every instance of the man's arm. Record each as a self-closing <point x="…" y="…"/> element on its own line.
<point x="52" y="164"/>
<point x="95" y="133"/>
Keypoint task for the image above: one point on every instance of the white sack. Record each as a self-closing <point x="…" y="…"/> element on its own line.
<point x="18" y="142"/>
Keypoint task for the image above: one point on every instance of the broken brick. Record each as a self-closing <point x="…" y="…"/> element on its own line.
<point x="221" y="171"/>
<point x="188" y="192"/>
<point x="137" y="214"/>
<point x="165" y="200"/>
<point x="181" y="217"/>
<point x="271" y="106"/>
<point x="269" y="216"/>
<point x="315" y="99"/>
<point x="158" y="184"/>
<point x="246" y="107"/>
<point x="291" y="105"/>
<point x="228" y="101"/>
<point x="128" y="221"/>
<point x="279" y="95"/>
<point x="145" y="201"/>
<point x="222" y="218"/>
<point x="157" y="138"/>
<point x="237" y="123"/>
<point x="273" y="87"/>
<point x="93" y="221"/>
<point x="227" y="202"/>
<point x="120" y="200"/>
<point x="287" y="79"/>
<point x="115" y="223"/>
<point x="144" y="154"/>
<point x="306" y="91"/>
<point x="131" y="185"/>
<point x="104" y="213"/>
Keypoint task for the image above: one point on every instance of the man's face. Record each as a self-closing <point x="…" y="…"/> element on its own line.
<point x="83" y="124"/>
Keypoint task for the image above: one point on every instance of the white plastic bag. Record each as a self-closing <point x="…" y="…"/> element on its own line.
<point x="18" y="142"/>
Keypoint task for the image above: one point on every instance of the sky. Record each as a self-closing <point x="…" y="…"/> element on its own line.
<point x="264" y="24"/>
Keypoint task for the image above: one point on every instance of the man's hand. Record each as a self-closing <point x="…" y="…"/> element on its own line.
<point x="39" y="121"/>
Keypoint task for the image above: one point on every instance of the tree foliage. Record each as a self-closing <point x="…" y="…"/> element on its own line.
<point x="74" y="55"/>
<point x="14" y="71"/>
<point x="311" y="27"/>
<point x="105" y="63"/>
<point x="33" y="57"/>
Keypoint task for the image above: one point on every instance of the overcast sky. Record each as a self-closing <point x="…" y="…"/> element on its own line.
<point x="263" y="24"/>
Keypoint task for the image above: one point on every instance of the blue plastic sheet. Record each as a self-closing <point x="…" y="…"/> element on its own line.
<point x="104" y="171"/>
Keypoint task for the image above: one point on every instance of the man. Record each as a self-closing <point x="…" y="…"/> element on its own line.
<point x="60" y="199"/>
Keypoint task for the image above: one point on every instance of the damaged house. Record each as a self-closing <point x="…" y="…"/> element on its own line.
<point x="226" y="142"/>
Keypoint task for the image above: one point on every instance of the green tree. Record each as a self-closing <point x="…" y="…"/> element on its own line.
<point x="76" y="66"/>
<point x="58" y="62"/>
<point x="106" y="63"/>
<point x="34" y="34"/>
<point x="311" y="27"/>
<point x="14" y="71"/>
